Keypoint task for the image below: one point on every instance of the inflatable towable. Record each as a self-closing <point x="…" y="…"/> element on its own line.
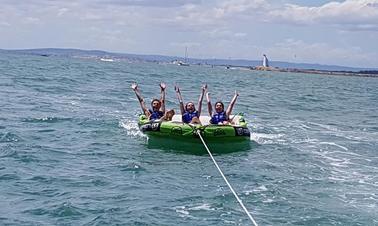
<point x="175" y="128"/>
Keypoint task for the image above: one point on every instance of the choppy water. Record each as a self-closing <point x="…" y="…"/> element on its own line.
<point x="71" y="152"/>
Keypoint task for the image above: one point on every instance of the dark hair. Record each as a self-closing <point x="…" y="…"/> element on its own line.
<point x="219" y="102"/>
<point x="186" y="105"/>
<point x="153" y="100"/>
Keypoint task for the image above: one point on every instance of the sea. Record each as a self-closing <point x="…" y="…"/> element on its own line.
<point x="71" y="152"/>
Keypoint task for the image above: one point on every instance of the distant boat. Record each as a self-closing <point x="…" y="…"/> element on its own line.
<point x="106" y="59"/>
<point x="182" y="63"/>
<point x="185" y="63"/>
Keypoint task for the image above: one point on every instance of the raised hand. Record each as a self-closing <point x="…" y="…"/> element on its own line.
<point x="177" y="89"/>
<point x="236" y="93"/>
<point x="162" y="86"/>
<point x="134" y="86"/>
<point x="204" y="87"/>
<point x="207" y="96"/>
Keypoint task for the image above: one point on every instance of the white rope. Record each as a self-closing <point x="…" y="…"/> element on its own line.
<point x="225" y="179"/>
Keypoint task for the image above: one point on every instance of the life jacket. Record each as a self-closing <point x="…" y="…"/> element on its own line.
<point x="218" y="117"/>
<point x="187" y="116"/>
<point x="156" y="114"/>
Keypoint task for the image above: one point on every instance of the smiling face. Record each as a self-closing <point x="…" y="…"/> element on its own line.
<point x="190" y="107"/>
<point x="219" y="107"/>
<point x="155" y="104"/>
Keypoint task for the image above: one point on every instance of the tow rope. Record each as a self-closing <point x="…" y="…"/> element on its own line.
<point x="225" y="179"/>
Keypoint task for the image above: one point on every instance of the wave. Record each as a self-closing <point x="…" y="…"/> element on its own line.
<point x="9" y="137"/>
<point x="65" y="209"/>
<point x="334" y="144"/>
<point x="46" y="120"/>
<point x="7" y="151"/>
<point x="184" y="211"/>
<point x="265" y="138"/>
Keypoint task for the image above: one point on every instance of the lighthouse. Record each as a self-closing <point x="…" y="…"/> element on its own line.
<point x="265" y="61"/>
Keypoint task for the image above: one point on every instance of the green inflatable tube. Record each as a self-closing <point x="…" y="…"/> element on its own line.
<point x="238" y="131"/>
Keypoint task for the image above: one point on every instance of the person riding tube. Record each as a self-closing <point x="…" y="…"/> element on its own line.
<point x="189" y="112"/>
<point x="157" y="110"/>
<point x="220" y="117"/>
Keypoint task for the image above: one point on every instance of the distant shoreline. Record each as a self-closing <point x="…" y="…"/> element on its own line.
<point x="373" y="74"/>
<point x="241" y="64"/>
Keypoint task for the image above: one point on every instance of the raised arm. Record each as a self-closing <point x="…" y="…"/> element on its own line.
<point x="231" y="106"/>
<point x="162" y="99"/>
<point x="210" y="108"/>
<point x="134" y="86"/>
<point x="199" y="109"/>
<point x="179" y="97"/>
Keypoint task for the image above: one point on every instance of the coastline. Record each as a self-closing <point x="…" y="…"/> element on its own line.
<point x="229" y="64"/>
<point x="372" y="74"/>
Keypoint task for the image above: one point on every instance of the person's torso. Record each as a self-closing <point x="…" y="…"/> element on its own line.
<point x="188" y="116"/>
<point x="218" y="117"/>
<point x="155" y="114"/>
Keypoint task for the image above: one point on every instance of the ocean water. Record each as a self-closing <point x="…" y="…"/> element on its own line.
<point x="71" y="152"/>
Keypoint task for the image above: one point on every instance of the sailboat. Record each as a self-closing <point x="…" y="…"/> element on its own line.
<point x="186" y="59"/>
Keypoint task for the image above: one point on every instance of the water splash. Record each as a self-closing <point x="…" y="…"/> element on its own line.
<point x="132" y="128"/>
<point x="265" y="138"/>
<point x="46" y="119"/>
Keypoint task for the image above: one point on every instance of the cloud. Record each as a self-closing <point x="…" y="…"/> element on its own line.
<point x="214" y="28"/>
<point x="5" y="24"/>
<point x="32" y="20"/>
<point x="324" y="53"/>
<point x="105" y="3"/>
<point x="349" y="14"/>
<point x="219" y="13"/>
<point x="222" y="33"/>
<point x="240" y="35"/>
<point x="185" y="44"/>
<point x="149" y="3"/>
<point x="62" y="11"/>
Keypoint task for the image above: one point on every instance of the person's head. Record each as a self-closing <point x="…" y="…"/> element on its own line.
<point x="155" y="104"/>
<point x="169" y="115"/>
<point x="219" y="106"/>
<point x="190" y="107"/>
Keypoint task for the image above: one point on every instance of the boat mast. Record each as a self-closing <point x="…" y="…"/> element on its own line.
<point x="186" y="54"/>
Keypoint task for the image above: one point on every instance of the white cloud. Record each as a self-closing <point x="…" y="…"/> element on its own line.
<point x="62" y="11"/>
<point x="185" y="44"/>
<point x="148" y="3"/>
<point x="32" y="20"/>
<point x="240" y="35"/>
<point x="220" y="13"/>
<point x="300" y="51"/>
<point x="4" y="23"/>
<point x="223" y="34"/>
<point x="232" y="7"/>
<point x="213" y="28"/>
<point x="361" y="14"/>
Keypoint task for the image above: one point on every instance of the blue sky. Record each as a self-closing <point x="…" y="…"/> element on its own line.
<point x="311" y="31"/>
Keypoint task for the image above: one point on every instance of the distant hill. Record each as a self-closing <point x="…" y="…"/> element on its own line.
<point x="47" y="52"/>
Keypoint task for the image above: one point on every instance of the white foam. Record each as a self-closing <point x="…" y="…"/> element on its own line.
<point x="261" y="188"/>
<point x="132" y="128"/>
<point x="204" y="206"/>
<point x="182" y="211"/>
<point x="268" y="201"/>
<point x="328" y="127"/>
<point x="264" y="138"/>
<point x="334" y="144"/>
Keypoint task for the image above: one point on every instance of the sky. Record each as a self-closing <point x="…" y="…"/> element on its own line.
<point x="312" y="31"/>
